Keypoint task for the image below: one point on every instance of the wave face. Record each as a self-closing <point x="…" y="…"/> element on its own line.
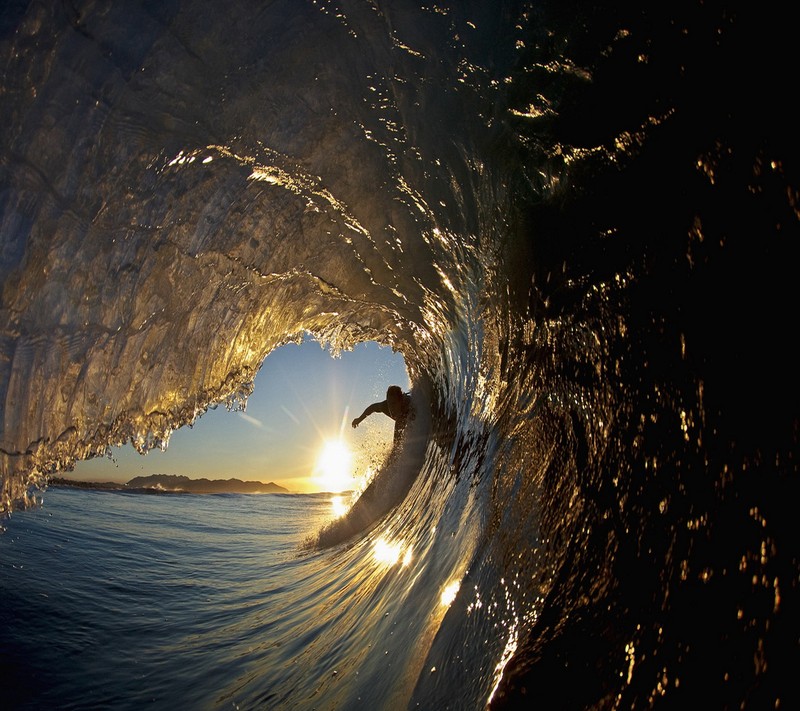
<point x="572" y="223"/>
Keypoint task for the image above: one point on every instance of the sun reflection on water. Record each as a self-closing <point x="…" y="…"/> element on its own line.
<point x="450" y="592"/>
<point x="390" y="553"/>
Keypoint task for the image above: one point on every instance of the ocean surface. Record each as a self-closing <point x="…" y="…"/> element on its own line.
<point x="125" y="601"/>
<point x="578" y="222"/>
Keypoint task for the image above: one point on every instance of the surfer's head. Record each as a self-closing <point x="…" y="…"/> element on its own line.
<point x="394" y="399"/>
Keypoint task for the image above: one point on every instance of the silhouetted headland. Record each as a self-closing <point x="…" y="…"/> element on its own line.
<point x="172" y="483"/>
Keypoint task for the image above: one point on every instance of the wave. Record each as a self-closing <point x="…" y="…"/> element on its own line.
<point x="568" y="221"/>
<point x="391" y="483"/>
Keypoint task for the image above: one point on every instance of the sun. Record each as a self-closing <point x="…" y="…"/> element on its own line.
<point x="334" y="470"/>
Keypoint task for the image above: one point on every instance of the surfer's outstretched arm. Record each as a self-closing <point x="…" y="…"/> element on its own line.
<point x="370" y="410"/>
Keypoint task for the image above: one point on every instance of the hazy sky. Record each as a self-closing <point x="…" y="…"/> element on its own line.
<point x="303" y="397"/>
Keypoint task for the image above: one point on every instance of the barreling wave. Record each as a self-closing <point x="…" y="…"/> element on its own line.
<point x="196" y="206"/>
<point x="523" y="201"/>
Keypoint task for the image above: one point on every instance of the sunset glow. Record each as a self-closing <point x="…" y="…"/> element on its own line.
<point x="339" y="506"/>
<point x="334" y="470"/>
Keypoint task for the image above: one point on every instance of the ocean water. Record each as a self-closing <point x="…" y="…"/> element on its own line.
<point x="578" y="223"/>
<point x="176" y="601"/>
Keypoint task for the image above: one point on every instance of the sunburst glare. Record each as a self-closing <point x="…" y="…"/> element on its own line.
<point x="339" y="506"/>
<point x="334" y="470"/>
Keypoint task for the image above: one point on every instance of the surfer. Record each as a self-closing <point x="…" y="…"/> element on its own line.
<point x="397" y="405"/>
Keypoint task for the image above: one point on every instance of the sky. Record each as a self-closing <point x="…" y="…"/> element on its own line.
<point x="303" y="398"/>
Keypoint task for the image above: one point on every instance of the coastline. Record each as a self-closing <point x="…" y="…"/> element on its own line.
<point x="173" y="484"/>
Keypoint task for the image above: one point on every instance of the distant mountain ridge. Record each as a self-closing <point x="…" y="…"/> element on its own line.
<point x="176" y="482"/>
<point x="179" y="483"/>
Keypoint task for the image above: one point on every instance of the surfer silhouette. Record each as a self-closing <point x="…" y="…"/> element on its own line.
<point x="397" y="405"/>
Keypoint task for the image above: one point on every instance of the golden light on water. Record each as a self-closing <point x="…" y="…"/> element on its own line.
<point x="334" y="470"/>
<point x="391" y="552"/>
<point x="450" y="592"/>
<point x="508" y="652"/>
